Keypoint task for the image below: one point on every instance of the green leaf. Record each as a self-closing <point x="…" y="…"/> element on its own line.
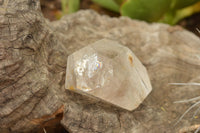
<point x="63" y="5"/>
<point x="174" y="16"/>
<point x="145" y="9"/>
<point x="70" y="6"/>
<point x="119" y="2"/>
<point x="73" y="6"/>
<point x="178" y="4"/>
<point x="109" y="4"/>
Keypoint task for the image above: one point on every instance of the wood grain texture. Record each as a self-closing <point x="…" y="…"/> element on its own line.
<point x="30" y="80"/>
<point x="33" y="59"/>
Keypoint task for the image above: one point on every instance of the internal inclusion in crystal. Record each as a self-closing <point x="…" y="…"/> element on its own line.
<point x="109" y="71"/>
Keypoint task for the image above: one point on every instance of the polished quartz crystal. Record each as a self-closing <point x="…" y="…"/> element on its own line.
<point x="110" y="72"/>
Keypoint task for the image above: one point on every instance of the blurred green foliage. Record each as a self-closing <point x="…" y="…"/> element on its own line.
<point x="70" y="6"/>
<point x="178" y="4"/>
<point x="149" y="10"/>
<point x="166" y="11"/>
<point x="109" y="4"/>
<point x="180" y="9"/>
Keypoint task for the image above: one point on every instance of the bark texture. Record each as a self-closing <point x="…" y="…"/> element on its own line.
<point x="33" y="59"/>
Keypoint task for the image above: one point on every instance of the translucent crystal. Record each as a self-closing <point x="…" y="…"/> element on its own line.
<point x="109" y="71"/>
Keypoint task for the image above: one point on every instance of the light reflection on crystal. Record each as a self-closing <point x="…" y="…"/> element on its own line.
<point x="89" y="66"/>
<point x="98" y="65"/>
<point x="91" y="63"/>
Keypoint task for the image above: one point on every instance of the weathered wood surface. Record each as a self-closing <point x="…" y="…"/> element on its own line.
<point x="33" y="55"/>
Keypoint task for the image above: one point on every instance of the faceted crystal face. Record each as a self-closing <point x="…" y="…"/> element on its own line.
<point x="109" y="71"/>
